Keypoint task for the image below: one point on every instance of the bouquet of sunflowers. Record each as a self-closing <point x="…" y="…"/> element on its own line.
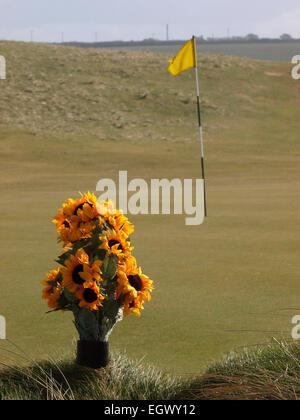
<point x="98" y="278"/>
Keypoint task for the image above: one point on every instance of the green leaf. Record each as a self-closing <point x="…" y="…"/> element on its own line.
<point x="83" y="243"/>
<point x="99" y="254"/>
<point x="62" y="258"/>
<point x="63" y="308"/>
<point x="109" y="267"/>
<point x="108" y="226"/>
<point x="68" y="296"/>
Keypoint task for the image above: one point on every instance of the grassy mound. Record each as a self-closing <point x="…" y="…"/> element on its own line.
<point x="269" y="373"/>
<point x="266" y="373"/>
<point x="123" y="379"/>
<point x="51" y="89"/>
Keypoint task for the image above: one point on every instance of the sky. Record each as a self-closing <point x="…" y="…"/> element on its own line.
<point x="102" y="20"/>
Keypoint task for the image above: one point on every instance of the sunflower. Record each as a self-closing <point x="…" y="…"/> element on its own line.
<point x="90" y="297"/>
<point x="60" y="219"/>
<point x="86" y="229"/>
<point x="68" y="228"/>
<point x="69" y="207"/>
<point x="132" y="304"/>
<point x="133" y="281"/>
<point x="116" y="243"/>
<point x="52" y="280"/>
<point x="53" y="289"/>
<point x="84" y="209"/>
<point x="77" y="219"/>
<point x="136" y="288"/>
<point x="121" y="223"/>
<point x="92" y="272"/>
<point x="127" y="265"/>
<point x="78" y="271"/>
<point x="115" y="218"/>
<point x="68" y="233"/>
<point x="63" y="227"/>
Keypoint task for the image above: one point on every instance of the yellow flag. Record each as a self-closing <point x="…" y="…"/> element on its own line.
<point x="184" y="60"/>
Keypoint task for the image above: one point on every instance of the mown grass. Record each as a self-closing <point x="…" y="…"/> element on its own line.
<point x="266" y="373"/>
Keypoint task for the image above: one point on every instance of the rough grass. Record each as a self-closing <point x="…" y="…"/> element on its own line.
<point x="266" y="373"/>
<point x="108" y="94"/>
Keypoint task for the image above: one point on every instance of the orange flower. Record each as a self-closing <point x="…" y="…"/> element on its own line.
<point x="77" y="219"/>
<point x="90" y="297"/>
<point x="115" y="218"/>
<point x="53" y="289"/>
<point x="116" y="243"/>
<point x="78" y="271"/>
<point x="134" y="282"/>
<point x="132" y="304"/>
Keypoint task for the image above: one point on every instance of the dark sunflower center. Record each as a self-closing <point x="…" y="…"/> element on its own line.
<point x="66" y="224"/>
<point x="113" y="242"/>
<point x="89" y="295"/>
<point x="80" y="207"/>
<point x="75" y="275"/>
<point x="136" y="282"/>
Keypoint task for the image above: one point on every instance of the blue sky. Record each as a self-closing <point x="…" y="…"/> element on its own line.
<point x="88" y="20"/>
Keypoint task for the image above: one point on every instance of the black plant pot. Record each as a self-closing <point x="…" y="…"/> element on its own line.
<point x="93" y="354"/>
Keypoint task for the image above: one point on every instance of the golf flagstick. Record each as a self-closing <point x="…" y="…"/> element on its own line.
<point x="185" y="59"/>
<point x="199" y="123"/>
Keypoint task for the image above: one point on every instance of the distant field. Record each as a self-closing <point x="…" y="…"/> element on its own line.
<point x="70" y="116"/>
<point x="259" y="51"/>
